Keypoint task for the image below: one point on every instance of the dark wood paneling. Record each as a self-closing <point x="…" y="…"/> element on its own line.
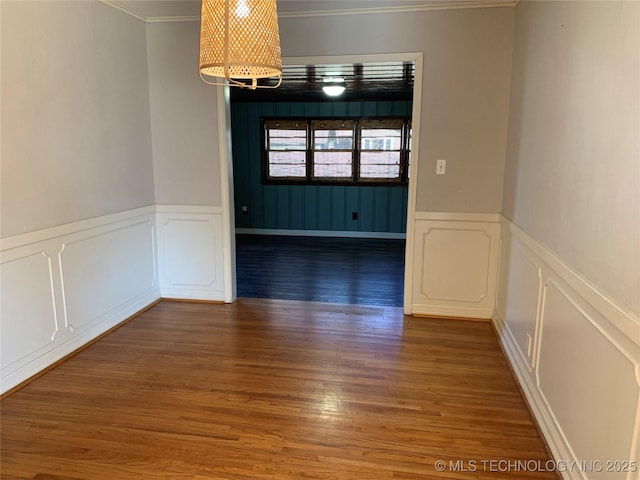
<point x="309" y="207"/>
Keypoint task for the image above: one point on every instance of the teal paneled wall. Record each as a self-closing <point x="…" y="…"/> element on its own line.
<point x="310" y="207"/>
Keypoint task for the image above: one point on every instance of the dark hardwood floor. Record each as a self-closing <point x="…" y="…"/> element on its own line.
<point x="278" y="390"/>
<point x="318" y="269"/>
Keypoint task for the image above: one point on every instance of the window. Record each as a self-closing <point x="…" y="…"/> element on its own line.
<point x="333" y="149"/>
<point x="286" y="147"/>
<point x="381" y="149"/>
<point x="344" y="151"/>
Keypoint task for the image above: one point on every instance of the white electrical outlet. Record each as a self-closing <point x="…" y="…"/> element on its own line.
<point x="441" y="167"/>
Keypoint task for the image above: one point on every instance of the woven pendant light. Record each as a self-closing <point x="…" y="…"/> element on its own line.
<point x="240" y="41"/>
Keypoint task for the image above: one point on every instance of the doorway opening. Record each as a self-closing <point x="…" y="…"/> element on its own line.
<point x="317" y="238"/>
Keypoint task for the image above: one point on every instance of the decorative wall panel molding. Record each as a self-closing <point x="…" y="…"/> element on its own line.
<point x="28" y="301"/>
<point x="522" y="304"/>
<point x="580" y="369"/>
<point x="63" y="286"/>
<point x="455" y="264"/>
<point x="119" y="263"/>
<point x="190" y="252"/>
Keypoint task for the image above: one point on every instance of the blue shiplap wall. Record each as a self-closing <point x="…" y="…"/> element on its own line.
<point x="310" y="207"/>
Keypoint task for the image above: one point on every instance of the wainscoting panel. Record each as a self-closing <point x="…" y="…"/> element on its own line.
<point x="28" y="317"/>
<point x="190" y="252"/>
<point x="63" y="286"/>
<point x="120" y="263"/>
<point x="521" y="279"/>
<point x="455" y="264"/>
<point x="582" y="377"/>
<point x="587" y="382"/>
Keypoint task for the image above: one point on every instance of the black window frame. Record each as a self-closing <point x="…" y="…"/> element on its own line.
<point x="354" y="179"/>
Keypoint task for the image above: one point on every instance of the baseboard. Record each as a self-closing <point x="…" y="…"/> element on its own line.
<point x="452" y="312"/>
<point x="553" y="438"/>
<point x="320" y="233"/>
<point x="191" y="294"/>
<point x="525" y="386"/>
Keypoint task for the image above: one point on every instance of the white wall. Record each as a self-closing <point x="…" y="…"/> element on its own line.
<point x="572" y="177"/>
<point x="569" y="282"/>
<point x="465" y="90"/>
<point x="77" y="203"/>
<point x="76" y="139"/>
<point x="193" y="235"/>
<point x="184" y="116"/>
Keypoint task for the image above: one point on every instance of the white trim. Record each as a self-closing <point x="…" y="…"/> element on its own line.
<point x="191" y="253"/>
<point x="468" y="291"/>
<point x="118" y="6"/>
<point x="114" y="319"/>
<point x="215" y="209"/>
<point x="81" y="264"/>
<point x="320" y="233"/>
<point x="73" y="227"/>
<point x="179" y="294"/>
<point x="556" y="441"/>
<point x="412" y="193"/>
<point x="617" y="329"/>
<point x="459" y="217"/>
<point x="226" y="194"/>
<point x="459" y="312"/>
<point x="185" y="18"/>
<point x="78" y="256"/>
<point x="451" y="5"/>
<point x="626" y="322"/>
<point x="130" y="11"/>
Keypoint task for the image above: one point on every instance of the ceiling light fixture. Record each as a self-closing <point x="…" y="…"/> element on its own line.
<point x="240" y="42"/>
<point x="333" y="86"/>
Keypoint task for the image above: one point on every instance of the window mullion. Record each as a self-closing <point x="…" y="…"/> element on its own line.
<point x="309" y="151"/>
<point x="355" y="155"/>
<point x="403" y="153"/>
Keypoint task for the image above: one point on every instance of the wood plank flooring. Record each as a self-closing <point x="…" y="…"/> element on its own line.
<point x="281" y="390"/>
<point x="317" y="269"/>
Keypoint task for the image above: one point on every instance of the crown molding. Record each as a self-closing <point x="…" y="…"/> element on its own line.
<point x="118" y="6"/>
<point x="444" y="5"/>
<point x="172" y="19"/>
<point x="453" y="5"/>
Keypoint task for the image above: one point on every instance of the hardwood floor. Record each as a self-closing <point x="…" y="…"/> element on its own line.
<point x="317" y="269"/>
<point x="266" y="389"/>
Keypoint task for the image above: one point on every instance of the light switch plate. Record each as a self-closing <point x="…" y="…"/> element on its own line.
<point x="441" y="167"/>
